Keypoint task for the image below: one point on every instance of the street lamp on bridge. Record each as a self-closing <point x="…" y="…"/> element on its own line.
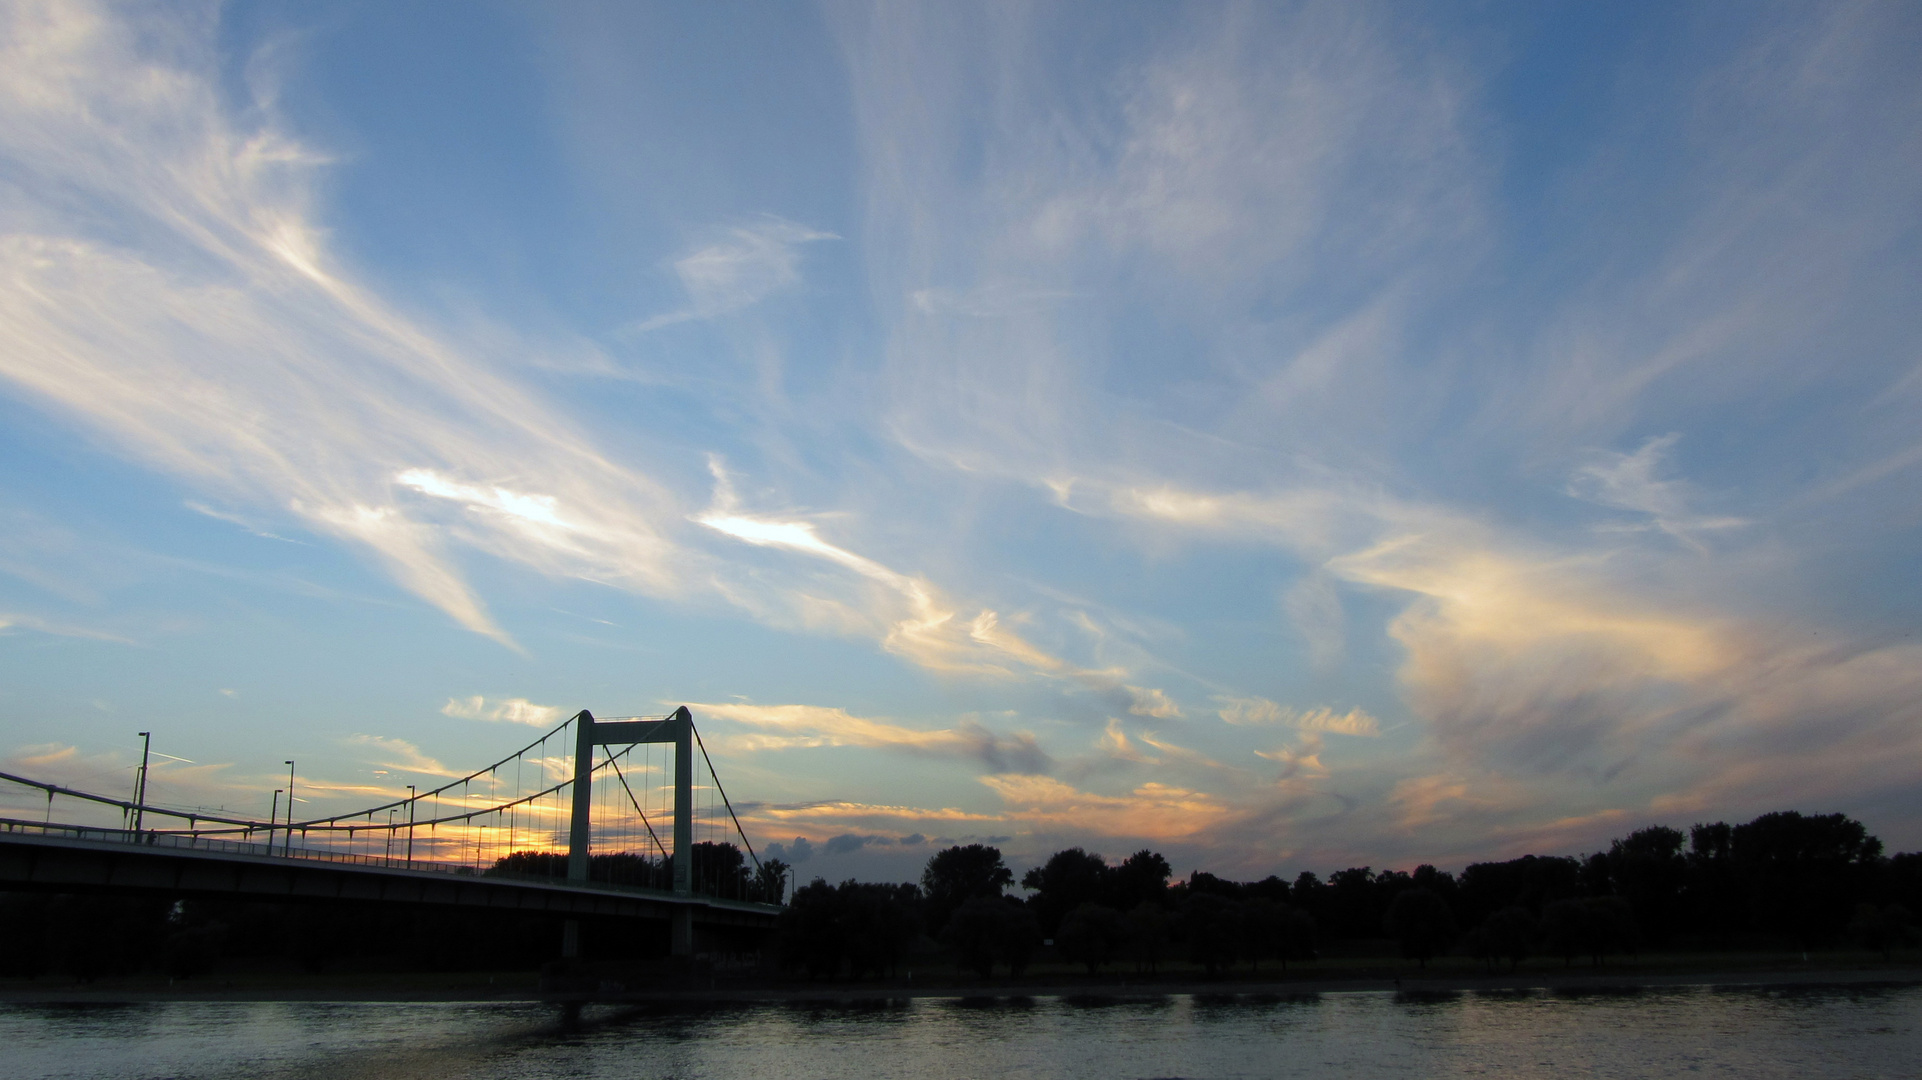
<point x="288" y="847"/>
<point x="140" y="787"/>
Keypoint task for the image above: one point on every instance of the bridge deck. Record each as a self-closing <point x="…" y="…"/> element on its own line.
<point x="59" y="858"/>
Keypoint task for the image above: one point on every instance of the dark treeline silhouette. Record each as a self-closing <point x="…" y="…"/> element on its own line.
<point x="1783" y="880"/>
<point x="718" y="870"/>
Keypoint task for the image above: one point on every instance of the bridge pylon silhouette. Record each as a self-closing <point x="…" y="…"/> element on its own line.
<point x="591" y="734"/>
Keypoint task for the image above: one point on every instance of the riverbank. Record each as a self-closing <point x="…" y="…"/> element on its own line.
<point x="723" y="987"/>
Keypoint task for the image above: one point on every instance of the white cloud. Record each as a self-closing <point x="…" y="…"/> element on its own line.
<point x="397" y="754"/>
<point x="746" y="265"/>
<point x="1261" y="711"/>
<point x="913" y="618"/>
<point x="14" y="620"/>
<point x="1149" y="701"/>
<point x="813" y="725"/>
<point x="1151" y="811"/>
<point x="1300" y="760"/>
<point x="510" y="710"/>
<point x="1629" y="482"/>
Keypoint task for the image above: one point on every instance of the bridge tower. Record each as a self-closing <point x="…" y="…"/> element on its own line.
<point x="677" y="728"/>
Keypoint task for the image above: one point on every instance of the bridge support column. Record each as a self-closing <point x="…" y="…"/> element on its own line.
<point x="570" y="939"/>
<point x="682" y="941"/>
<point x="684" y="805"/>
<point x="578" y="826"/>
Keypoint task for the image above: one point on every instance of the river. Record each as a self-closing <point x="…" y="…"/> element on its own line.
<point x="1801" y="1032"/>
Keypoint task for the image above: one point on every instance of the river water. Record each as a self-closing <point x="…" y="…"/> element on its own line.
<point x="1803" y="1032"/>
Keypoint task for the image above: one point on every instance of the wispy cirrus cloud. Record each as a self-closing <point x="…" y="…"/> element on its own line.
<point x="746" y="264"/>
<point x="211" y="333"/>
<point x="15" y="620"/>
<point x="1151" y="811"/>
<point x="1629" y="482"/>
<point x="1152" y="702"/>
<point x="813" y="725"/>
<point x="400" y="754"/>
<point x="911" y="616"/>
<point x="1246" y="711"/>
<point x="510" y="710"/>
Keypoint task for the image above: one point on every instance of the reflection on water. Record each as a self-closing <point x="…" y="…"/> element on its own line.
<point x="1805" y="1032"/>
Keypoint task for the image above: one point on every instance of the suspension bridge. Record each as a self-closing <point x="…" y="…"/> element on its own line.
<point x="570" y="825"/>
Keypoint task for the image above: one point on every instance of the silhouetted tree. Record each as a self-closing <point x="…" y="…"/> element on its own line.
<point x="1066" y="881"/>
<point x="1147" y="926"/>
<point x="1212" y="925"/>
<point x="1091" y="934"/>
<point x="1715" y="902"/>
<point x="617" y="868"/>
<point x="1647" y="869"/>
<point x="860" y="926"/>
<point x="1883" y="929"/>
<point x="1902" y="880"/>
<point x="1201" y="881"/>
<point x="720" y="870"/>
<point x="1530" y="882"/>
<point x="1298" y="942"/>
<point x="770" y="882"/>
<point x="1142" y="878"/>
<point x="1801" y="873"/>
<point x="957" y="874"/>
<point x="880" y="924"/>
<point x="1267" y="930"/>
<point x="1020" y="936"/>
<point x="1421" y="922"/>
<point x="1351" y="906"/>
<point x="811" y="932"/>
<point x="1509" y="934"/>
<point x="1592" y="926"/>
<point x="984" y="929"/>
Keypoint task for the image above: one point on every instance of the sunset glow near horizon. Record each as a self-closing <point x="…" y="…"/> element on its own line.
<point x="1286" y="437"/>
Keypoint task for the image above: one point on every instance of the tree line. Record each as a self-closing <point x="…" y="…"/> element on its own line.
<point x="717" y="869"/>
<point x="1785" y="879"/>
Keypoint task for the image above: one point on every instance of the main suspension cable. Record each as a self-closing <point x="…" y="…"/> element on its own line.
<point x="716" y="777"/>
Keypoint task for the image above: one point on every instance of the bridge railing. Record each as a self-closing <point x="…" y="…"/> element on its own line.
<point x="188" y="841"/>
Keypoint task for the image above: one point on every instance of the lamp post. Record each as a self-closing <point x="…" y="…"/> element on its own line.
<point x="411" y="803"/>
<point x="288" y="848"/>
<point x="140" y="788"/>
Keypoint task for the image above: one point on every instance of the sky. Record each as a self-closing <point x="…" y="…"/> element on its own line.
<point x="1284" y="436"/>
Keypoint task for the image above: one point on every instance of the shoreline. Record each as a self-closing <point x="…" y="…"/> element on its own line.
<point x="523" y="988"/>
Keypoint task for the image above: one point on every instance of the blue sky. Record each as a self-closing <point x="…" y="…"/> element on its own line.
<point x="1285" y="436"/>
